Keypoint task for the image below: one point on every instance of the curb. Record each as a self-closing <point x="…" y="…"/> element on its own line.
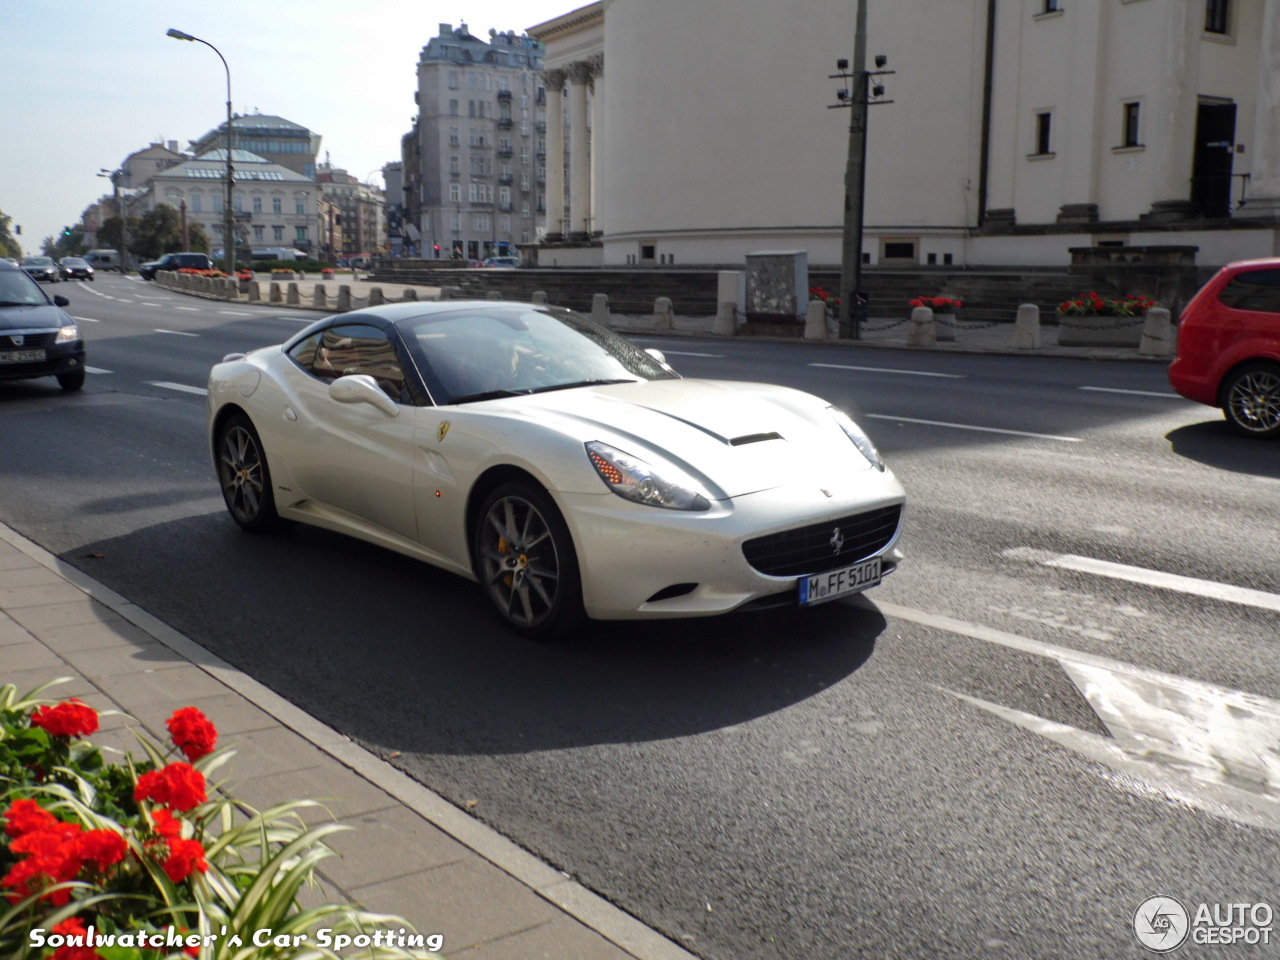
<point x="554" y="886"/>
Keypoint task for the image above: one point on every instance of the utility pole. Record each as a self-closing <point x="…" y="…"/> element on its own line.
<point x="857" y="98"/>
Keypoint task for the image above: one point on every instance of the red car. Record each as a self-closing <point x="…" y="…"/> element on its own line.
<point x="1229" y="346"/>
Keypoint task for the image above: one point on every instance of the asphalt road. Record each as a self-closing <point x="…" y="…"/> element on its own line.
<point x="1066" y="701"/>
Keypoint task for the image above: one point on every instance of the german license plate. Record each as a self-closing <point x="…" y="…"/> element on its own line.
<point x="822" y="587"/>
<point x="21" y="356"/>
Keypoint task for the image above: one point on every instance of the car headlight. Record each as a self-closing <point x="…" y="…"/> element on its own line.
<point x="655" y="485"/>
<point x="68" y="334"/>
<point x="860" y="439"/>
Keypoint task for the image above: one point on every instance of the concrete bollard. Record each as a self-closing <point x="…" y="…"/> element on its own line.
<point x="922" y="331"/>
<point x="540" y="297"/>
<point x="376" y="299"/>
<point x="1026" y="329"/>
<point x="600" y="309"/>
<point x="493" y="295"/>
<point x="319" y="298"/>
<point x="344" y="298"/>
<point x="815" y="323"/>
<point x="663" y="319"/>
<point x="276" y="295"/>
<point x="1159" y="337"/>
<point x="726" y="322"/>
<point x="410" y="293"/>
<point x="450" y="293"/>
<point x="293" y="296"/>
<point x="255" y="290"/>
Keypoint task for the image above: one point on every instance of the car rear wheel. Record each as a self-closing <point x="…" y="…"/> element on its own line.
<point x="525" y="560"/>
<point x="245" y="477"/>
<point x="71" y="382"/>
<point x="1251" y="400"/>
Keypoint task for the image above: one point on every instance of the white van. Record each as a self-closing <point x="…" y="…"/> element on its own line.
<point x="103" y="259"/>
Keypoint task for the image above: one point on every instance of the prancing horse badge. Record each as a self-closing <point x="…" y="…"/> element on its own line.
<point x="442" y="430"/>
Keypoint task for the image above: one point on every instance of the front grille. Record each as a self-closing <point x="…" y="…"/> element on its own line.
<point x="30" y="341"/>
<point x="812" y="549"/>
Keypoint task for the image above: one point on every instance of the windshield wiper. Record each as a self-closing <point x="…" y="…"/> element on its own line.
<point x="582" y="383"/>
<point x="488" y="395"/>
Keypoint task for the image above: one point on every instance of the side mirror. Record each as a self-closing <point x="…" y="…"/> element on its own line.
<point x="657" y="355"/>
<point x="60" y="301"/>
<point x="362" y="388"/>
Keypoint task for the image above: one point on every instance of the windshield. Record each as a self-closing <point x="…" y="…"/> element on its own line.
<point x="74" y="262"/>
<point x="17" y="289"/>
<point x="479" y="352"/>
<point x="37" y="262"/>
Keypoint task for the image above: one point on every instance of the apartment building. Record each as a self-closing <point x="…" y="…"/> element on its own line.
<point x="474" y="163"/>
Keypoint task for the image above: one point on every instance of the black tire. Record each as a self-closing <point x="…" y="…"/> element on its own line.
<point x="524" y="559"/>
<point x="71" y="382"/>
<point x="245" y="477"/>
<point x="1251" y="400"/>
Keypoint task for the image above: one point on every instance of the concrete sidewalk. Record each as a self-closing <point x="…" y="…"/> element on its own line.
<point x="411" y="853"/>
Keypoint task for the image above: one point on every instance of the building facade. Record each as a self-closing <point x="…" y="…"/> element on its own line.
<point x="358" y="208"/>
<point x="275" y="139"/>
<point x="473" y="166"/>
<point x="1010" y="130"/>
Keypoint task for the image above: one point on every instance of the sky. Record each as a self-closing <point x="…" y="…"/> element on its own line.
<point x="83" y="84"/>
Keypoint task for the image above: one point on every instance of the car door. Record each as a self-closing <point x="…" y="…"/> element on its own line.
<point x="352" y="456"/>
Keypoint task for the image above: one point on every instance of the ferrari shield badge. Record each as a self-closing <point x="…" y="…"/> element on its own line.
<point x="442" y="430"/>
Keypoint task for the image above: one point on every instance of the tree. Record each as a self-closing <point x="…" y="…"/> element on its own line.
<point x="9" y="247"/>
<point x="69" y="243"/>
<point x="109" y="235"/>
<point x="159" y="231"/>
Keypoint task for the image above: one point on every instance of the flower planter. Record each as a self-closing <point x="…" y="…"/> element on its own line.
<point x="945" y="327"/>
<point x="1100" y="331"/>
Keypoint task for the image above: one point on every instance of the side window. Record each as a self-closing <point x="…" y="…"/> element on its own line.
<point x="1253" y="290"/>
<point x="304" y="353"/>
<point x="357" y="348"/>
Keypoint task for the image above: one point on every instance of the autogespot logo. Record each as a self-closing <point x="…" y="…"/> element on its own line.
<point x="1161" y="924"/>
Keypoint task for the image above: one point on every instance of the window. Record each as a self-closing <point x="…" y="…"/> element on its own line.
<point x="1129" y="135"/>
<point x="277" y="233"/>
<point x="217" y="203"/>
<point x="454" y="139"/>
<point x="258" y="231"/>
<point x="197" y="203"/>
<point x="480" y="222"/>
<point x="453" y="108"/>
<point x="277" y="205"/>
<point x="300" y="205"/>
<point x="455" y="193"/>
<point x="354" y="348"/>
<point x="471" y="108"/>
<point x="1255" y="290"/>
<point x="1043" y="123"/>
<point x="1051" y="6"/>
<point x="300" y="235"/>
<point x="257" y="204"/>
<point x="1217" y="16"/>
<point x="453" y="79"/>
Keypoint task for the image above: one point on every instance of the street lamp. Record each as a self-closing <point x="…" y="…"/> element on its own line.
<point x="182" y="207"/>
<point x="228" y="214"/>
<point x="115" y="176"/>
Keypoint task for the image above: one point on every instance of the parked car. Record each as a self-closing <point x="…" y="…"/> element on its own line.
<point x="103" y="259"/>
<point x="76" y="268"/>
<point x="37" y="337"/>
<point x="42" y="268"/>
<point x="1229" y="346"/>
<point x="175" y="261"/>
<point x="566" y="470"/>
<point x="502" y="262"/>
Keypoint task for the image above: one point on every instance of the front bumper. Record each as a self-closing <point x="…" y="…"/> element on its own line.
<point x="59" y="358"/>
<point x="628" y="553"/>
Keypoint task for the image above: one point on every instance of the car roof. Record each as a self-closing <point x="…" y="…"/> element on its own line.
<point x="6" y="265"/>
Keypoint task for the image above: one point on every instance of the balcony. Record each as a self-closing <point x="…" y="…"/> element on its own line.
<point x="505" y="123"/>
<point x="504" y="152"/>
<point x="540" y="126"/>
<point x="506" y="178"/>
<point x="541" y="155"/>
<point x="504" y="207"/>
<point x="504" y="94"/>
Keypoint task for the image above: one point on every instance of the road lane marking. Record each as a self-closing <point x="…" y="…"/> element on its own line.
<point x="912" y="373"/>
<point x="1151" y="578"/>
<point x="966" y="426"/>
<point x="181" y="387"/>
<point x="85" y="319"/>
<point x="95" y="370"/>
<point x="235" y="313"/>
<point x="1135" y="393"/>
<point x="177" y="333"/>
<point x="196" y="309"/>
<point x="690" y="353"/>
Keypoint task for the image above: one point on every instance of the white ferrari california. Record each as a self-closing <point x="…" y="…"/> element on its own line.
<point x="567" y="470"/>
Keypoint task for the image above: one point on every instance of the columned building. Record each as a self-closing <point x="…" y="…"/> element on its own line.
<point x="1034" y="127"/>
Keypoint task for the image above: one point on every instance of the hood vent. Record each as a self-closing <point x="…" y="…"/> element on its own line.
<point x="754" y="438"/>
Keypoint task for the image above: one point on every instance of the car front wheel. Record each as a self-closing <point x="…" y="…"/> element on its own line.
<point x="524" y="558"/>
<point x="245" y="477"/>
<point x="1251" y="400"/>
<point x="71" y="382"/>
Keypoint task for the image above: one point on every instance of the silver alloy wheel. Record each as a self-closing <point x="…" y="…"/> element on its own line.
<point x="240" y="469"/>
<point x="1253" y="401"/>
<point x="520" y="562"/>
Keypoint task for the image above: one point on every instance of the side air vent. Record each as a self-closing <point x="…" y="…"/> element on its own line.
<point x="673" y="591"/>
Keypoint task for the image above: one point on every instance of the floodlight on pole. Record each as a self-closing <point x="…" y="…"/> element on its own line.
<point x="228" y="214"/>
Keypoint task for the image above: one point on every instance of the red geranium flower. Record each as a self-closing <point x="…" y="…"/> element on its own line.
<point x="24" y="816"/>
<point x="102" y="848"/>
<point x="167" y="825"/>
<point x="74" y="927"/>
<point x="184" y="857"/>
<point x="179" y="785"/>
<point x="50" y="858"/>
<point x="70" y="719"/>
<point x="192" y="733"/>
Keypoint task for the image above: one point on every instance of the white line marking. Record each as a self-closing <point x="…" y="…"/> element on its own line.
<point x="85" y="319"/>
<point x="965" y="426"/>
<point x="95" y="370"/>
<point x="147" y="303"/>
<point x="1151" y="578"/>
<point x="177" y="333"/>
<point x="1135" y="393"/>
<point x="121" y="300"/>
<point x="235" y="313"/>
<point x="690" y="353"/>
<point x="913" y="373"/>
<point x="196" y="309"/>
<point x="182" y="387"/>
